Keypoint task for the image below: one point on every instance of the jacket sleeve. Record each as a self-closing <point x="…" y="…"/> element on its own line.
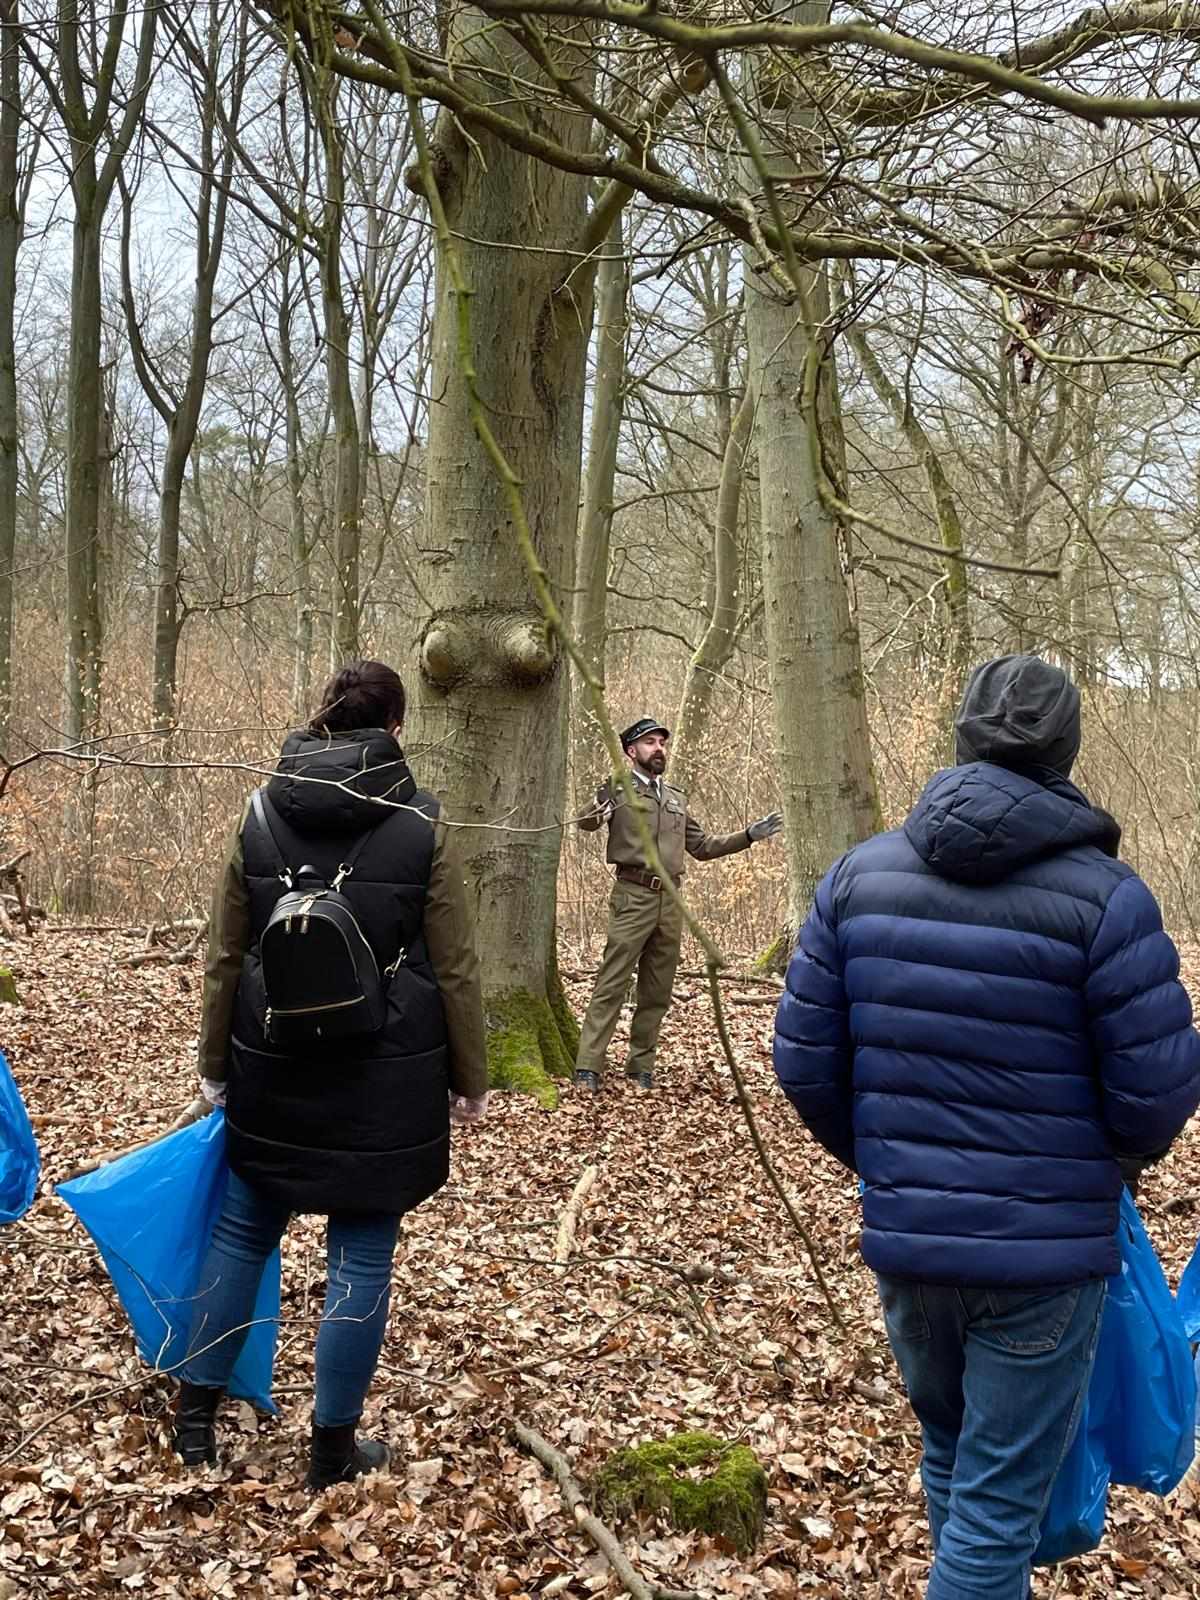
<point x="228" y="942"/>
<point x="450" y="938"/>
<point x="709" y="846"/>
<point x="1147" y="1053"/>
<point x="593" y="816"/>
<point x="813" y="1052"/>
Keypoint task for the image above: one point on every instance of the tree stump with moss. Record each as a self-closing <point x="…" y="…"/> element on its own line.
<point x="8" y="989"/>
<point x="694" y="1480"/>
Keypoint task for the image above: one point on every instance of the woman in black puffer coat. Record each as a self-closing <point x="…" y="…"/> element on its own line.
<point x="356" y="1128"/>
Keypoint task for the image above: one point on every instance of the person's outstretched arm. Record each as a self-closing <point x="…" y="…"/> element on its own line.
<point x="602" y="809"/>
<point x="708" y="846"/>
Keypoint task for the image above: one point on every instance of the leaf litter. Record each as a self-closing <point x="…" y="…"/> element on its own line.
<point x="686" y="1304"/>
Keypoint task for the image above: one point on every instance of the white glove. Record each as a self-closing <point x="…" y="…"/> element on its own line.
<point x="199" y="1108"/>
<point x="465" y="1111"/>
<point x="766" y="827"/>
<point x="212" y="1091"/>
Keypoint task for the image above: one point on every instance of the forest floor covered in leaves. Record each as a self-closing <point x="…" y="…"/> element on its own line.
<point x="688" y="1303"/>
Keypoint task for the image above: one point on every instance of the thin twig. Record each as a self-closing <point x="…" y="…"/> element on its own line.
<point x="764" y="1157"/>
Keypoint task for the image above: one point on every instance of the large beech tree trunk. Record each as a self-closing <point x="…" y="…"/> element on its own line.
<point x="491" y="701"/>
<point x="814" y="662"/>
<point x="822" y="743"/>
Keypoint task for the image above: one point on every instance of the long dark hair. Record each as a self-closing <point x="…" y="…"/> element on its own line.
<point x="364" y="694"/>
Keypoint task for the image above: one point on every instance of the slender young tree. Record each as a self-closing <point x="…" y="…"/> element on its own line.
<point x="19" y="140"/>
<point x="178" y="398"/>
<point x="719" y="639"/>
<point x="608" y="393"/>
<point x="100" y="112"/>
<point x="327" y="96"/>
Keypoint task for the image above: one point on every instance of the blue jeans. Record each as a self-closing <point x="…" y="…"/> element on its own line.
<point x="996" y="1378"/>
<point x="359" y="1248"/>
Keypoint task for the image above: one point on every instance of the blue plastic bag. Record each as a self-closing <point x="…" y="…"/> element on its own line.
<point x="152" y="1214"/>
<point x="1188" y="1298"/>
<point x="1149" y="1417"/>
<point x="1138" y="1414"/>
<point x="1074" y="1520"/>
<point x="19" y="1159"/>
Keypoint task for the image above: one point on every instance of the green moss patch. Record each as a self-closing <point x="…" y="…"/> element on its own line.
<point x="694" y="1480"/>
<point x="526" y="1049"/>
<point x="774" y="959"/>
<point x="8" y="989"/>
<point x="564" y="1017"/>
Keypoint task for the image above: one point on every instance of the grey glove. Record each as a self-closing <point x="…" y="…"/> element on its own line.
<point x="464" y="1111"/>
<point x="766" y="827"/>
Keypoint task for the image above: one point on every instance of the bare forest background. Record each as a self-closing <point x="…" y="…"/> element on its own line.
<point x="757" y="364"/>
<point x="820" y="350"/>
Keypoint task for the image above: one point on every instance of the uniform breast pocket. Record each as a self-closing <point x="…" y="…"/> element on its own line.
<point x="674" y="817"/>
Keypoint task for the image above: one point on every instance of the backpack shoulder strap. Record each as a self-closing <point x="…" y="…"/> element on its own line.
<point x="346" y="867"/>
<point x="258" y="805"/>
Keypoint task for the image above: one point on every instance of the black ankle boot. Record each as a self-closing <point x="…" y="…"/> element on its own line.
<point x="337" y="1456"/>
<point x="195" y="1439"/>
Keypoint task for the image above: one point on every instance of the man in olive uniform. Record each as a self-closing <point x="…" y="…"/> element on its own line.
<point x="644" y="924"/>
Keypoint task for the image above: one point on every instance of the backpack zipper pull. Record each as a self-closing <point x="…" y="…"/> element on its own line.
<point x="389" y="972"/>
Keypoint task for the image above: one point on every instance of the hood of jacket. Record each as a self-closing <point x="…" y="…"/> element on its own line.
<point x="333" y="783"/>
<point x="979" y="823"/>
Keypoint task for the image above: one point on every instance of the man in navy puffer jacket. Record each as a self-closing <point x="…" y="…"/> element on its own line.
<point x="983" y="1017"/>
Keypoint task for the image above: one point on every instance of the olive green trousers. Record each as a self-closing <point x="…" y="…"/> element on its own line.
<point x="644" y="930"/>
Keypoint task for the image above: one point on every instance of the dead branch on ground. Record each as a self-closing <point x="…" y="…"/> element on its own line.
<point x="565" y="1242"/>
<point x="602" y="1537"/>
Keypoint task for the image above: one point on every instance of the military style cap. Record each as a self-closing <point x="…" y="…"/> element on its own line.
<point x="639" y="730"/>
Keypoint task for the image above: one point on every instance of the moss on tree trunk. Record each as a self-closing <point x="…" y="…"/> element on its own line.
<point x="775" y="958"/>
<point x="657" y="1479"/>
<point x="563" y="1015"/>
<point x="527" y="1050"/>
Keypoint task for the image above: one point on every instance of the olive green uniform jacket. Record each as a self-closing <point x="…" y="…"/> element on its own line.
<point x="676" y="835"/>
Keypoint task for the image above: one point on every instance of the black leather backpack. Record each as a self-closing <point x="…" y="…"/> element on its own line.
<point x="321" y="977"/>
